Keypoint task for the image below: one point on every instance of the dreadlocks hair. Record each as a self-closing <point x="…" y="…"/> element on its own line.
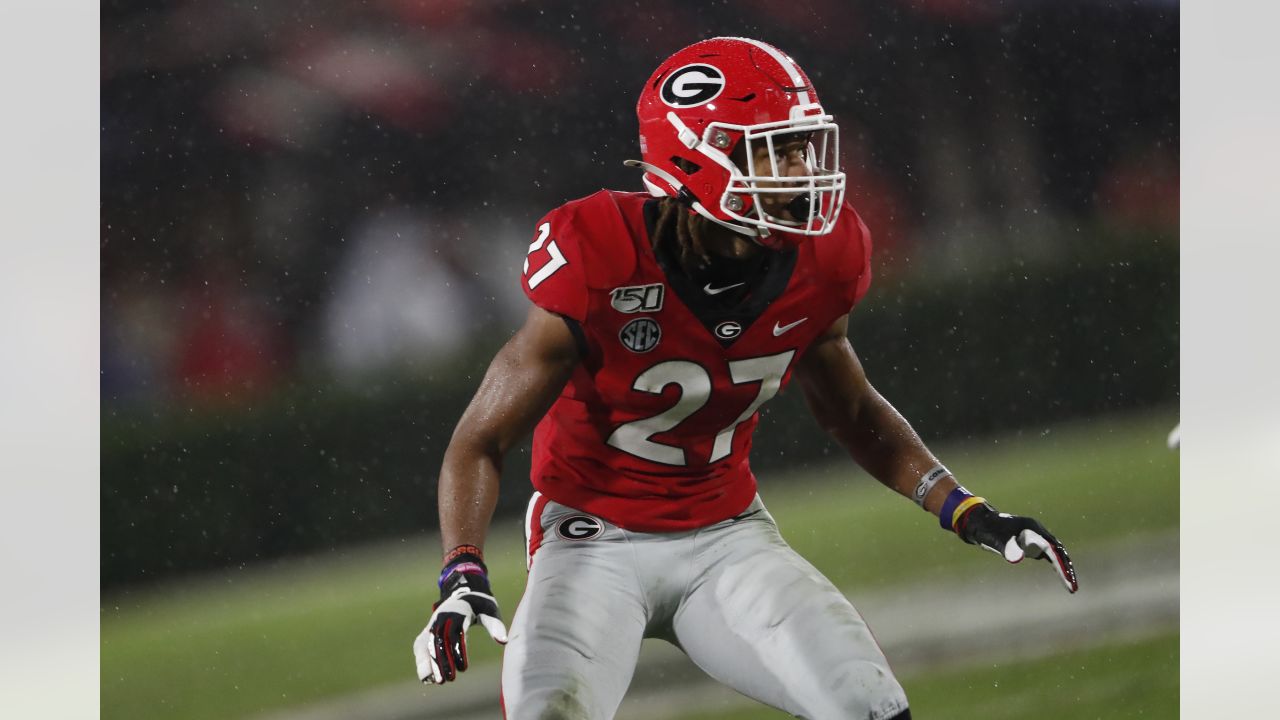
<point x="683" y="232"/>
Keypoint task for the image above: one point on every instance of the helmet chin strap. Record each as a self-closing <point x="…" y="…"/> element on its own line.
<point x="750" y="231"/>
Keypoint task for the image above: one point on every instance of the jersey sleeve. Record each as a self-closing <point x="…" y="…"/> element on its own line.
<point x="553" y="275"/>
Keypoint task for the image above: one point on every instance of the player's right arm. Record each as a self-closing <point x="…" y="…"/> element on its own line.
<point x="520" y="385"/>
<point x="522" y="382"/>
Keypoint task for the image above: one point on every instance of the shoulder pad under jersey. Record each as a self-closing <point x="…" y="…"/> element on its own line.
<point x="845" y="254"/>
<point x="608" y="248"/>
<point x="583" y="244"/>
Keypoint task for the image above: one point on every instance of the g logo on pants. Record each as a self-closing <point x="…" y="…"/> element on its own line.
<point x="579" y="527"/>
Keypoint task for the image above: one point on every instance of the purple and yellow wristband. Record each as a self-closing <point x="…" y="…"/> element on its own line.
<point x="959" y="502"/>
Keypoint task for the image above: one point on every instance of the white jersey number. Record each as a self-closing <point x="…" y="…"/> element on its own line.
<point x="695" y="391"/>
<point x="556" y="262"/>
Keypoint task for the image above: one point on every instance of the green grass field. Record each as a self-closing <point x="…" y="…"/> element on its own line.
<point x="247" y="641"/>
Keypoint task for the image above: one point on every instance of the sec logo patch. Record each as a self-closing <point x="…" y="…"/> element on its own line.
<point x="579" y="527"/>
<point x="640" y="335"/>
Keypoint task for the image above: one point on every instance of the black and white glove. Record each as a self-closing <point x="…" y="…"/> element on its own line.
<point x="441" y="649"/>
<point x="1013" y="537"/>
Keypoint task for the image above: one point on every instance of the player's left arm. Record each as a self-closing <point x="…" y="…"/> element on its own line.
<point x="882" y="441"/>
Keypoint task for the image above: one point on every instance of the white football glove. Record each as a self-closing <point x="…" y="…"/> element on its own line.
<point x="1013" y="537"/>
<point x="440" y="650"/>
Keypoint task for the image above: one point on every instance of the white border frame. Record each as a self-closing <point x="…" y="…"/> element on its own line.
<point x="49" y="320"/>
<point x="1230" y="230"/>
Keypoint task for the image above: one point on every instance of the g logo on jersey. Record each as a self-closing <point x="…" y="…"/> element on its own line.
<point x="579" y="527"/>
<point x="640" y="335"/>
<point x="728" y="330"/>
<point x="692" y="85"/>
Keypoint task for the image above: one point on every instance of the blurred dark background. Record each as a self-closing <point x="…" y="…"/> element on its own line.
<point x="314" y="215"/>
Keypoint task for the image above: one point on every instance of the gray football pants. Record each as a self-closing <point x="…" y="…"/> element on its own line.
<point x="742" y="604"/>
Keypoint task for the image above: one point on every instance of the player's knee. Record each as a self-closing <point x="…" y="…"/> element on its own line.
<point x="864" y="678"/>
<point x="551" y="705"/>
<point x="564" y="705"/>
<point x="867" y="689"/>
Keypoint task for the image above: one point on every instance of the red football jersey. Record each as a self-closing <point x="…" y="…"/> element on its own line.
<point x="653" y="429"/>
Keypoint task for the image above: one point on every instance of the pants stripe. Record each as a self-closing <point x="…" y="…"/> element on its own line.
<point x="533" y="527"/>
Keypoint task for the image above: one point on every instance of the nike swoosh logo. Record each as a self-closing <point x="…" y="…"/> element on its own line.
<point x="779" y="329"/>
<point x="716" y="291"/>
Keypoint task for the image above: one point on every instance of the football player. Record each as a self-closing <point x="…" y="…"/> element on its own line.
<point x="661" y="322"/>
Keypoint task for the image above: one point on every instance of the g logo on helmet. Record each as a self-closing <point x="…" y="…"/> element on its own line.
<point x="692" y="85"/>
<point x="579" y="527"/>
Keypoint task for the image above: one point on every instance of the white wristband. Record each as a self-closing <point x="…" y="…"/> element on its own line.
<point x="927" y="481"/>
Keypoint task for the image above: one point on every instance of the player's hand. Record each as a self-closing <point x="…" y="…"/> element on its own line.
<point x="441" y="649"/>
<point x="1013" y="537"/>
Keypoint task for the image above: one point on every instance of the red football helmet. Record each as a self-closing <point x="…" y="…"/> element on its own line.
<point x="714" y="96"/>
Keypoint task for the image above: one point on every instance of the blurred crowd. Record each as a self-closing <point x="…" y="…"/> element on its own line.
<point x="330" y="188"/>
